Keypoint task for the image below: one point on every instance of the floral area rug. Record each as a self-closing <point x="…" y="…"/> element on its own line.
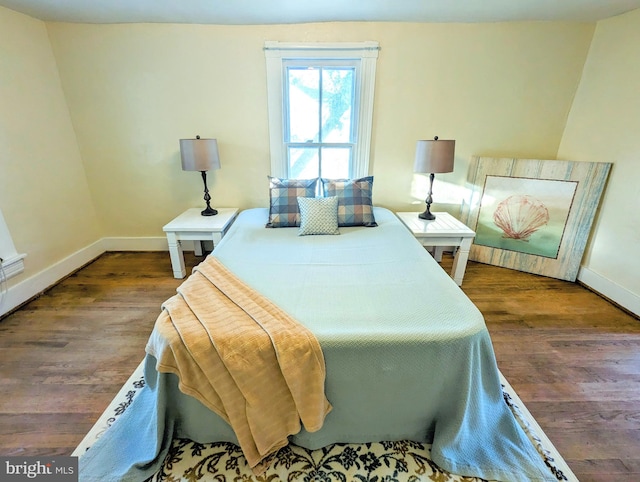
<point x="371" y="462"/>
<point x="403" y="461"/>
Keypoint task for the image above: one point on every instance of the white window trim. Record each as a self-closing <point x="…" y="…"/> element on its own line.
<point x="276" y="52"/>
<point x="12" y="263"/>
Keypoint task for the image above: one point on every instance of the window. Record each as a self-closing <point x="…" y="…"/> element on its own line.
<point x="319" y="119"/>
<point x="320" y="108"/>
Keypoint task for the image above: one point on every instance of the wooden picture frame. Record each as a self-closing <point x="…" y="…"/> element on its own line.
<point x="533" y="215"/>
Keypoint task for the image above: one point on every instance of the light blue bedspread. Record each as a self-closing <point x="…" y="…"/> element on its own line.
<point x="408" y="356"/>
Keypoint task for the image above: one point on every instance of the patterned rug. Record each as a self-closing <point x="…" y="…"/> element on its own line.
<point x="403" y="461"/>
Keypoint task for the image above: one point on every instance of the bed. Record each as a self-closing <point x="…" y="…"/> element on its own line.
<point x="407" y="354"/>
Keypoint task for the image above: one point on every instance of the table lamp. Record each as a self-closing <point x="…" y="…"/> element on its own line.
<point x="431" y="157"/>
<point x="201" y="155"/>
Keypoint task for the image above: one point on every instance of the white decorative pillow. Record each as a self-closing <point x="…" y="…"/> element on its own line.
<point x="318" y="215"/>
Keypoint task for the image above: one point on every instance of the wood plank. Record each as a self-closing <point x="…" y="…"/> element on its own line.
<point x="572" y="357"/>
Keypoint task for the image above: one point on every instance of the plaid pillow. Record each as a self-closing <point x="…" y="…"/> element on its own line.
<point x="283" y="200"/>
<point x="355" y="204"/>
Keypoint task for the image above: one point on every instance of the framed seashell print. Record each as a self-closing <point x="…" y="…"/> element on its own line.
<point x="533" y="215"/>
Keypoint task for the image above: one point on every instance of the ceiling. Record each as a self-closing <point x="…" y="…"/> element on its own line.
<point x="301" y="11"/>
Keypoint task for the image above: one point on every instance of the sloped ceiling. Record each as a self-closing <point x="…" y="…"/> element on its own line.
<point x="301" y="11"/>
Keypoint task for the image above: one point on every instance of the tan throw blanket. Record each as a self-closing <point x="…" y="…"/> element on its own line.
<point x="242" y="357"/>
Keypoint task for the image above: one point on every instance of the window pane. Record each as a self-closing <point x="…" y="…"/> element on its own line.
<point x="337" y="98"/>
<point x="304" y="162"/>
<point x="304" y="104"/>
<point x="335" y="162"/>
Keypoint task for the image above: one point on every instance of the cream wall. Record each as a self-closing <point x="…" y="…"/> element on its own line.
<point x="603" y="126"/>
<point x="134" y="90"/>
<point x="92" y="115"/>
<point x="44" y="194"/>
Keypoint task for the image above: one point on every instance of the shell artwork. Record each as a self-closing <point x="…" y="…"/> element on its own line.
<point x="519" y="216"/>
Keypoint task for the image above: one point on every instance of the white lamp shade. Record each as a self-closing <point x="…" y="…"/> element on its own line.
<point x="199" y="154"/>
<point x="434" y="156"/>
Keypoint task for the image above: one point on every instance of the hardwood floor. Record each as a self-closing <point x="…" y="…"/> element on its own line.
<point x="574" y="360"/>
<point x="572" y="357"/>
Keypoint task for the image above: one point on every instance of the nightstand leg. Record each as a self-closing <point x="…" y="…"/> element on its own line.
<point x="460" y="261"/>
<point x="216" y="238"/>
<point x="197" y="248"/>
<point x="177" y="256"/>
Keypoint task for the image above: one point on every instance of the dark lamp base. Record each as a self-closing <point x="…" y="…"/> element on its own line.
<point x="427" y="215"/>
<point x="209" y="211"/>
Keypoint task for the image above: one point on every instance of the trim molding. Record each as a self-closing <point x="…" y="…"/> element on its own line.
<point x="364" y="53"/>
<point x="31" y="287"/>
<point x="135" y="244"/>
<point x="27" y="289"/>
<point x="612" y="291"/>
<point x="13" y="266"/>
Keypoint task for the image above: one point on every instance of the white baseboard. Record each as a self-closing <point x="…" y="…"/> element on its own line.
<point x="147" y="244"/>
<point x="31" y="287"/>
<point x="34" y="285"/>
<point x="13" y="266"/>
<point x="136" y="244"/>
<point x="611" y="290"/>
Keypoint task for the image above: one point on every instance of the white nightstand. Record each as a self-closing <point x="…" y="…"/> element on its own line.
<point x="193" y="226"/>
<point x="444" y="230"/>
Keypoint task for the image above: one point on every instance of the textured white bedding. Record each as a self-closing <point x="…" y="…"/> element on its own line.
<point x="408" y="356"/>
<point x="375" y="283"/>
